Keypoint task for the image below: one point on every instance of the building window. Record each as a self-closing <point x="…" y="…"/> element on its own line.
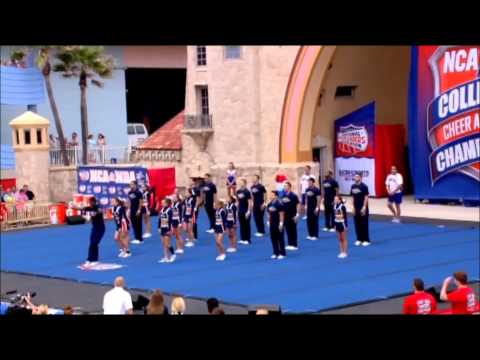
<point x="233" y="52"/>
<point x="17" y="133"/>
<point x="204" y="100"/>
<point x="26" y="134"/>
<point x="201" y="55"/>
<point x="39" y="136"/>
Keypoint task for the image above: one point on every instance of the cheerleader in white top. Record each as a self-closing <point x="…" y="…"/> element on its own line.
<point x="231" y="179"/>
<point x="341" y="224"/>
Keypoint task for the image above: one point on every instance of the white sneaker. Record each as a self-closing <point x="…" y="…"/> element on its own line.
<point x="358" y="243"/>
<point x="304" y="218"/>
<point x="146" y="235"/>
<point x="396" y="220"/>
<point x="172" y="258"/>
<point x="179" y="251"/>
<point x="231" y="250"/>
<point x="273" y="257"/>
<point x="313" y="238"/>
<point x="210" y="231"/>
<point x="332" y="230"/>
<point x="244" y="242"/>
<point x="288" y="247"/>
<point x="292" y="248"/>
<point x="259" y="234"/>
<point x="120" y="254"/>
<point x="189" y="244"/>
<point x="221" y="257"/>
<point x="280" y="257"/>
<point x="309" y="237"/>
<point x="125" y="255"/>
<point x="85" y="264"/>
<point x="366" y="243"/>
<point x="163" y="260"/>
<point x="325" y="229"/>
<point x="342" y="256"/>
<point x="136" y="242"/>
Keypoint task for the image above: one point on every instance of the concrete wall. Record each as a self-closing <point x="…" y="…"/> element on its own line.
<point x="381" y="74"/>
<point x="63" y="183"/>
<point x="167" y="57"/>
<point x="32" y="170"/>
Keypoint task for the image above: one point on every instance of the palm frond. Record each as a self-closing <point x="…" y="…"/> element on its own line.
<point x="97" y="83"/>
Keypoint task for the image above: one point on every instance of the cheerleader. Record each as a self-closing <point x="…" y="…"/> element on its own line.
<point x="177" y="214"/>
<point x="146" y="197"/>
<point x="231" y="179"/>
<point x="122" y="227"/>
<point x="189" y="218"/>
<point x="98" y="230"/>
<point x="341" y="224"/>
<point x="231" y="224"/>
<point x="219" y="228"/>
<point x="165" y="229"/>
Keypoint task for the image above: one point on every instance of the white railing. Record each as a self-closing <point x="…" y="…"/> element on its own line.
<point x="28" y="213"/>
<point x="96" y="155"/>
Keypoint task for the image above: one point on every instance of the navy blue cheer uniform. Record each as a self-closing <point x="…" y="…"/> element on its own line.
<point x="290" y="202"/>
<point x="359" y="192"/>
<point x="330" y="187"/>
<point x="220" y="221"/>
<point x="177" y="213"/>
<point x="258" y="193"/>
<point x="311" y="195"/>
<point x="135" y="196"/>
<point x="209" y="189"/>
<point x="274" y="209"/>
<point x="98" y="230"/>
<point x="165" y="220"/>
<point x="196" y="190"/>
<point x="243" y="196"/>
<point x="189" y="214"/>
<point x="341" y="221"/>
<point x="231" y="215"/>
<point x="120" y="218"/>
<point x="146" y="197"/>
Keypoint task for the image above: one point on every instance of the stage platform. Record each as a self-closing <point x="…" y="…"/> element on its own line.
<point x="309" y="280"/>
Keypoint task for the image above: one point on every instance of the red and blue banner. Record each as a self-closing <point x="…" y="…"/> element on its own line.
<point x="355" y="148"/>
<point x="444" y="122"/>
<point x="107" y="183"/>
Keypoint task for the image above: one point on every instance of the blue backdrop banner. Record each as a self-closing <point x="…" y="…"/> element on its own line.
<point x="444" y="122"/>
<point x="21" y="86"/>
<point x="107" y="183"/>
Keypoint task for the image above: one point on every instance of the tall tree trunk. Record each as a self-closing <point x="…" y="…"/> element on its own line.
<point x="83" y="116"/>
<point x="56" y="115"/>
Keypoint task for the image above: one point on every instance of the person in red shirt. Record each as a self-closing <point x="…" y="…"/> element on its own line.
<point x="463" y="298"/>
<point x="420" y="302"/>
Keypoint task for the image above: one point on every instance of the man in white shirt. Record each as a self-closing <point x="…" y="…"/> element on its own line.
<point x="118" y="301"/>
<point x="303" y="187"/>
<point x="394" y="185"/>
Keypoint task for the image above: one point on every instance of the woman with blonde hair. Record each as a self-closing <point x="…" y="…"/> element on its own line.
<point x="156" y="306"/>
<point x="178" y="306"/>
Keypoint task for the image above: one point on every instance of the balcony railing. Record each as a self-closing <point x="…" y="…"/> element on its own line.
<point x="198" y="122"/>
<point x="96" y="155"/>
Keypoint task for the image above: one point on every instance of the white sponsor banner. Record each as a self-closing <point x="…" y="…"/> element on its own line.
<point x="346" y="168"/>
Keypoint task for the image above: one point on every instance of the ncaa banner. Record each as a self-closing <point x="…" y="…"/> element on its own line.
<point x="355" y="148"/>
<point x="444" y="122"/>
<point x="107" y="183"/>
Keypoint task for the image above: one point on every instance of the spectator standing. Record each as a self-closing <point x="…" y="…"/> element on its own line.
<point x="74" y="141"/>
<point x="101" y="143"/>
<point x="303" y="188"/>
<point x="280" y="179"/>
<point x="156" y="306"/>
<point x="463" y="298"/>
<point x="52" y="142"/>
<point x="178" y="306"/>
<point x="29" y="193"/>
<point x="212" y="303"/>
<point x="394" y="185"/>
<point x="118" y="301"/>
<point x="420" y="302"/>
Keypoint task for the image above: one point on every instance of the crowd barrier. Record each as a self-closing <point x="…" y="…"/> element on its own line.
<point x="29" y="213"/>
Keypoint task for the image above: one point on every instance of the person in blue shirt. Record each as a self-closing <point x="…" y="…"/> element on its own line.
<point x="122" y="227"/>
<point x="220" y="227"/>
<point x="165" y="228"/>
<point x="330" y="190"/>
<point x="136" y="203"/>
<point x="291" y="206"/>
<point x="244" y="210"/>
<point x="177" y="214"/>
<point x="359" y="191"/>
<point x="231" y="223"/>
<point x="259" y="199"/>
<point x="189" y="218"/>
<point x="312" y="203"/>
<point x="276" y="218"/>
<point x="341" y="225"/>
<point x="95" y="214"/>
<point x="209" y="197"/>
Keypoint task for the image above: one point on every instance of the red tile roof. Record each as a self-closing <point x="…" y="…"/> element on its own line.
<point x="168" y="137"/>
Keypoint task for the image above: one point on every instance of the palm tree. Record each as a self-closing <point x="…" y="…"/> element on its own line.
<point x="86" y="63"/>
<point x="43" y="62"/>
